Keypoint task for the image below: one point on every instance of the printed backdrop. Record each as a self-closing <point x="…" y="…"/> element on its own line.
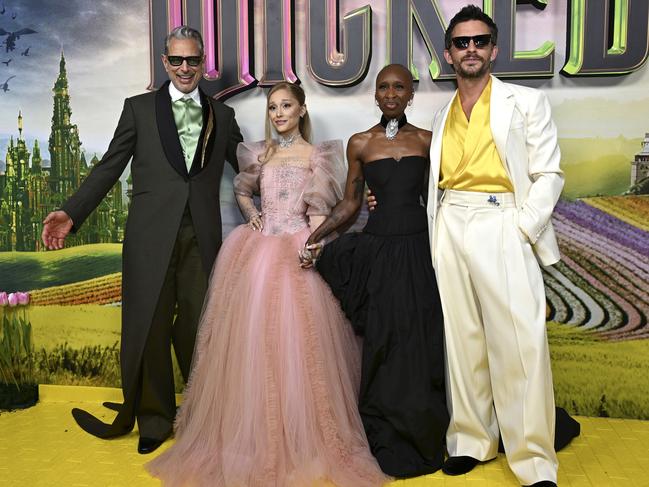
<point x="67" y="65"/>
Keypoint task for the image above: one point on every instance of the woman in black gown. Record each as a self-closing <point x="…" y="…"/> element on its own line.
<point x="385" y="282"/>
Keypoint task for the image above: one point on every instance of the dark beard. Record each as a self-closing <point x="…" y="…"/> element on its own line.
<point x="484" y="70"/>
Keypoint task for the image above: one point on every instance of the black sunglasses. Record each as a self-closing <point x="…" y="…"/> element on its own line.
<point x="178" y="60"/>
<point x="480" y="41"/>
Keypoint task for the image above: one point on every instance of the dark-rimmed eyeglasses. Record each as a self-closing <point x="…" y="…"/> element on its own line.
<point x="480" y="41"/>
<point x="178" y="60"/>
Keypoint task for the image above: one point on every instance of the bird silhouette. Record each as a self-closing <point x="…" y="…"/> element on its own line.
<point x="12" y="37"/>
<point x="6" y="63"/>
<point x="13" y="16"/>
<point x="3" y="9"/>
<point x="25" y="52"/>
<point x="5" y="86"/>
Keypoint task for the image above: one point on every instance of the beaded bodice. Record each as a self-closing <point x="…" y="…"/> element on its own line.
<point x="282" y="185"/>
<point x="294" y="184"/>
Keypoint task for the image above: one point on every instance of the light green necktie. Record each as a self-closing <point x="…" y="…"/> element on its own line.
<point x="189" y="121"/>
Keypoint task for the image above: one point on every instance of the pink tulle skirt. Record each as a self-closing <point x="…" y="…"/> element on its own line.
<point x="272" y="399"/>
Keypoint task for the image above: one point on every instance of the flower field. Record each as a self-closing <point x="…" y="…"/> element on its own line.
<point x="100" y="290"/>
<point x="602" y="281"/>
<point x="631" y="209"/>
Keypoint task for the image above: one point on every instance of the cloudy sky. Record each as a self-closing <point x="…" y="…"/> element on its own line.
<point x="105" y="43"/>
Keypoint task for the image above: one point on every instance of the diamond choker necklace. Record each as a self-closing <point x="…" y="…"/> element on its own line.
<point x="392" y="126"/>
<point x="286" y="142"/>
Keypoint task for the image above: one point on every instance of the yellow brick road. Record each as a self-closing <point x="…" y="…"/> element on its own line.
<point x="42" y="446"/>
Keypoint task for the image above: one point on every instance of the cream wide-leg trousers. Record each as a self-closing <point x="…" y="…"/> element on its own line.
<point x="498" y="363"/>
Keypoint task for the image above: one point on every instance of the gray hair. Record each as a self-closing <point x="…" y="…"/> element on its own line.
<point x="184" y="32"/>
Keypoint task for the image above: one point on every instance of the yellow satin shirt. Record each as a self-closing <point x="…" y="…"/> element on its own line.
<point x="470" y="160"/>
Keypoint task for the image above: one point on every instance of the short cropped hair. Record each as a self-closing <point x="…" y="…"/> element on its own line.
<point x="184" y="32"/>
<point x="470" y="12"/>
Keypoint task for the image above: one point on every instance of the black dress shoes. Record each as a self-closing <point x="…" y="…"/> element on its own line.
<point x="543" y="483"/>
<point x="148" y="445"/>
<point x="459" y="465"/>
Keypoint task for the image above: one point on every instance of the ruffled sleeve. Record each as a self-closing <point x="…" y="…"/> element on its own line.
<point x="246" y="183"/>
<point x="329" y="172"/>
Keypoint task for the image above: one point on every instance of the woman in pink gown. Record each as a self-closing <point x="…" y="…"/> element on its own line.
<point x="272" y="398"/>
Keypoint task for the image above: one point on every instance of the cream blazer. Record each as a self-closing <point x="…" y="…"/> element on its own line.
<point x="526" y="140"/>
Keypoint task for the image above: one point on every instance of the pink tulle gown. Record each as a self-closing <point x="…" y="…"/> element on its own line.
<point x="272" y="398"/>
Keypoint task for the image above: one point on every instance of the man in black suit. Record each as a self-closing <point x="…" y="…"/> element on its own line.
<point x="178" y="139"/>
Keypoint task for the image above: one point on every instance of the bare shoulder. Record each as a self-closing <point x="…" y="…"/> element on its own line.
<point x="360" y="137"/>
<point x="358" y="141"/>
<point x="423" y="136"/>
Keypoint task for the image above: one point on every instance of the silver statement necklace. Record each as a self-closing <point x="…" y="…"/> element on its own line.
<point x="391" y="129"/>
<point x="392" y="126"/>
<point x="286" y="142"/>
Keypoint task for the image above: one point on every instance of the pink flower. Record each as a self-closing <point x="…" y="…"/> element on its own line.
<point x="23" y="298"/>
<point x="3" y="299"/>
<point x="12" y="299"/>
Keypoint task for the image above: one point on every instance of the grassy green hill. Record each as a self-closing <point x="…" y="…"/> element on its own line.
<point x="78" y="326"/>
<point x="597" y="166"/>
<point x="26" y="271"/>
<point x="79" y="345"/>
<point x="605" y="176"/>
<point x="594" y="377"/>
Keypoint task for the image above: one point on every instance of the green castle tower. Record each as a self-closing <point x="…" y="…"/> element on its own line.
<point x="16" y="215"/>
<point x="29" y="193"/>
<point x="64" y="143"/>
<point x="39" y="195"/>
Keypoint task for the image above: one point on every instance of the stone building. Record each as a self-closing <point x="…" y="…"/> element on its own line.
<point x="640" y="164"/>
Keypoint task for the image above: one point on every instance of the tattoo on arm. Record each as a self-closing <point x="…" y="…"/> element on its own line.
<point x="359" y="186"/>
<point x="338" y="216"/>
<point x="346" y="208"/>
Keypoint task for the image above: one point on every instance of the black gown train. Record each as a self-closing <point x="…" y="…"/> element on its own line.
<point x="385" y="282"/>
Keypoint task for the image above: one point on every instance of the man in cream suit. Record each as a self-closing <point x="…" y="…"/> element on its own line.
<point x="495" y="179"/>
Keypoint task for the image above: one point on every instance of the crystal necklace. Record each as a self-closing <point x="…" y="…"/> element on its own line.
<point x="392" y="126"/>
<point x="286" y="142"/>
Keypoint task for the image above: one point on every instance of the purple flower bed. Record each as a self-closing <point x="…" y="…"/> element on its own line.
<point x="633" y="262"/>
<point x="605" y="224"/>
<point x="595" y="276"/>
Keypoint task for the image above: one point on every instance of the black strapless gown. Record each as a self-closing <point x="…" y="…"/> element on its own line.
<point x="385" y="282"/>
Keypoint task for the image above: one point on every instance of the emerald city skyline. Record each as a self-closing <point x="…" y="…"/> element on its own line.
<point x="29" y="191"/>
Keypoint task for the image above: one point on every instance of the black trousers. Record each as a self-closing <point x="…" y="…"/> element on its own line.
<point x="175" y="321"/>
